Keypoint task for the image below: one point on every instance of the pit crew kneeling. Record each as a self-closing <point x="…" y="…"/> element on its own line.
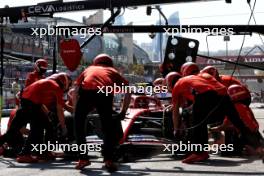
<point x="45" y="92"/>
<point x="211" y="104"/>
<point x="239" y="96"/>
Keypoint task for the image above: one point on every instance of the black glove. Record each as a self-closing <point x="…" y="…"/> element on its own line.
<point x="186" y="113"/>
<point x="177" y="134"/>
<point x="120" y="116"/>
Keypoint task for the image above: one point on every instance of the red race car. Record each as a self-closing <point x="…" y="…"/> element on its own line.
<point x="143" y="128"/>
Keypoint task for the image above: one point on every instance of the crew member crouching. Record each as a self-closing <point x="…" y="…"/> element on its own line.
<point x="39" y="94"/>
<point x="211" y="104"/>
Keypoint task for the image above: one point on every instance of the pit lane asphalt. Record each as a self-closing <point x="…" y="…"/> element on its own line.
<point x="162" y="164"/>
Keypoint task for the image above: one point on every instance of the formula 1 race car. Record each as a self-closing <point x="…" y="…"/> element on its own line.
<point x="144" y="131"/>
<point x="146" y="127"/>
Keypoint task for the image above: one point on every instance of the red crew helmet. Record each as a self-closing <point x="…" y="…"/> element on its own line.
<point x="238" y="93"/>
<point x="41" y="65"/>
<point x="103" y="59"/>
<point x="171" y="79"/>
<point x="189" y="68"/>
<point x="63" y="79"/>
<point x="212" y="70"/>
<point x="158" y="81"/>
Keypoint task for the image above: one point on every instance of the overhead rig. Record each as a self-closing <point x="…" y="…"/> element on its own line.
<point x="49" y="8"/>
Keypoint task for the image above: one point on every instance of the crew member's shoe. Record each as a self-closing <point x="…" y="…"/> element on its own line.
<point x="196" y="157"/>
<point x="26" y="159"/>
<point x="46" y="157"/>
<point x="82" y="164"/>
<point x="110" y="166"/>
<point x="260" y="151"/>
